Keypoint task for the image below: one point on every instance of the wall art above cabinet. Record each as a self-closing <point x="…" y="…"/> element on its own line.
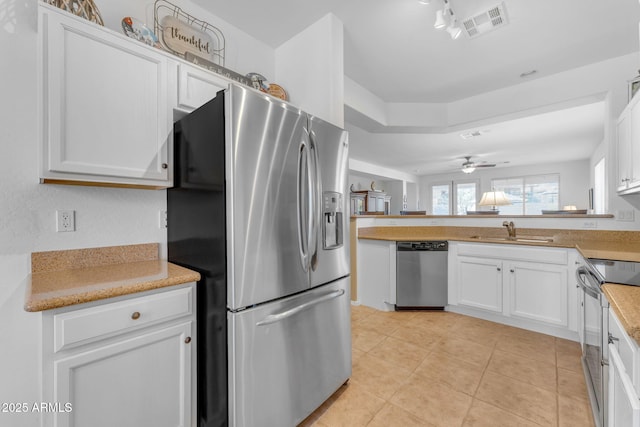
<point x="104" y="116"/>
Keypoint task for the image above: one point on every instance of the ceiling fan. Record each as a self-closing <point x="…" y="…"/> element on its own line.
<point x="468" y="166"/>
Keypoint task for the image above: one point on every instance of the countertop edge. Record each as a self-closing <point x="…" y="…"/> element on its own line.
<point x="615" y="296"/>
<point x="177" y="275"/>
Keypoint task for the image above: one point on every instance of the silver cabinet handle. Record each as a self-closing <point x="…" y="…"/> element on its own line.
<point x="273" y="318"/>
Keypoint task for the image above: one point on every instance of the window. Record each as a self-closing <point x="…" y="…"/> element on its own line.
<point x="529" y="195"/>
<point x="599" y="185"/>
<point x="440" y="196"/>
<point x="464" y="194"/>
<point x="465" y="197"/>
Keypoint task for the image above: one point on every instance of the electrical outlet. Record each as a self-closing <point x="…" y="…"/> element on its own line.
<point x="625" y="215"/>
<point x="65" y="221"/>
<point x="589" y="224"/>
<point x="162" y="218"/>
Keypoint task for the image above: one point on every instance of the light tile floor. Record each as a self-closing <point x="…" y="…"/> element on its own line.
<point x="445" y="369"/>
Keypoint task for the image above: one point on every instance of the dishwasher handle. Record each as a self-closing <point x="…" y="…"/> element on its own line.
<point x="422" y="246"/>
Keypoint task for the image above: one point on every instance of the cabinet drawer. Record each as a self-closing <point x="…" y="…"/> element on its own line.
<point x="89" y="324"/>
<point x="515" y="252"/>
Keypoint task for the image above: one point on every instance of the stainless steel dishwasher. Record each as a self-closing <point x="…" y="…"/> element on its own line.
<point x="421" y="275"/>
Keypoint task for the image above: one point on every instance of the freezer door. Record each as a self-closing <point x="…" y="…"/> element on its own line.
<point x="330" y="255"/>
<point x="289" y="356"/>
<point x="268" y="202"/>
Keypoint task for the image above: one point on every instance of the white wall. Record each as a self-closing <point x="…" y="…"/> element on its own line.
<point x="574" y="180"/>
<point x="311" y="67"/>
<point x="395" y="189"/>
<point x="104" y="216"/>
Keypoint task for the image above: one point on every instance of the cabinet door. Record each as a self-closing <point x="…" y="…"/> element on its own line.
<point x="480" y="283"/>
<point x="197" y="86"/>
<point x="623" y="405"/>
<point x="634" y="117"/>
<point x="105" y="114"/>
<point x="623" y="145"/>
<point x="538" y="291"/>
<point x="141" y="381"/>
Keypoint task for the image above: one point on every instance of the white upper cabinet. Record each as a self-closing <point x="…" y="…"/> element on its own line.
<point x="197" y="86"/>
<point x="623" y="144"/>
<point x="105" y="118"/>
<point x="628" y="148"/>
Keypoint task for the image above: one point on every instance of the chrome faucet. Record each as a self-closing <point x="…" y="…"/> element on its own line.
<point x="511" y="229"/>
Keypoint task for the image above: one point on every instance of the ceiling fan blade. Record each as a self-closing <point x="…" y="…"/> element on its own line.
<point x="485" y="165"/>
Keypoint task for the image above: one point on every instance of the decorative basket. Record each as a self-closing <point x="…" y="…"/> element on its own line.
<point x="86" y="9"/>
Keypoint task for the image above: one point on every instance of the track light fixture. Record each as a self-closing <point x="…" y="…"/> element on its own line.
<point x="444" y="15"/>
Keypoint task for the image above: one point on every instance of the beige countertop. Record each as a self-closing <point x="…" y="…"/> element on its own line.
<point x="63" y="278"/>
<point x="625" y="302"/>
<point x="603" y="244"/>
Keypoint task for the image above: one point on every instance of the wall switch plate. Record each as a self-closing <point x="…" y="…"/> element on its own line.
<point x="65" y="221"/>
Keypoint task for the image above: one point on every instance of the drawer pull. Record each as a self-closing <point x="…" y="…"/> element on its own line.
<point x="165" y="166"/>
<point x="135" y="315"/>
<point x="187" y="340"/>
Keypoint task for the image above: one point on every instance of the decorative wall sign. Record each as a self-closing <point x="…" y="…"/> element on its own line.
<point x="219" y="69"/>
<point x="181" y="38"/>
<point x="181" y="33"/>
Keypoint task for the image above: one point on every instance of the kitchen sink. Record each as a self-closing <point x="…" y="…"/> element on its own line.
<point x="527" y="239"/>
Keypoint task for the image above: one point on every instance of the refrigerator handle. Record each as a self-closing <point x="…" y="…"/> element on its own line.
<point x="316" y="179"/>
<point x="303" y="195"/>
<point x="273" y="318"/>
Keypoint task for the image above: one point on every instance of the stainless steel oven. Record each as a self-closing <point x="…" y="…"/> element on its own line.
<point x="594" y="340"/>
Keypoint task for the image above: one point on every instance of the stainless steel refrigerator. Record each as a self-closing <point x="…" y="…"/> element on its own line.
<point x="259" y="209"/>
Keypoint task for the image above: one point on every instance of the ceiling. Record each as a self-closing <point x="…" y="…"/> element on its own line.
<point x="392" y="50"/>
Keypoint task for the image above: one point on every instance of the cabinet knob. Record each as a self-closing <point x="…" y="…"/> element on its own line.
<point x="187" y="340"/>
<point x="135" y="315"/>
<point x="499" y="269"/>
<point x="512" y="270"/>
<point x="165" y="166"/>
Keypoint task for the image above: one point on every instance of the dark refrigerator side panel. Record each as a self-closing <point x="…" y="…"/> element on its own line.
<point x="197" y="240"/>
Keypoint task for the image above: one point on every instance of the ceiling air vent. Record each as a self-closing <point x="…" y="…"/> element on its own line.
<point x="485" y="21"/>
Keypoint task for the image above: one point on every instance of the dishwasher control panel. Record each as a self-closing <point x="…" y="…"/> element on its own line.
<point x="423" y="246"/>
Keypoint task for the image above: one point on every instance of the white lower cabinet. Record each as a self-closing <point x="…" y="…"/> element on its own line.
<point x="139" y="374"/>
<point x="480" y="283"/>
<point x="623" y="404"/>
<point x="521" y="285"/>
<point x="377" y="273"/>
<point x="538" y="291"/>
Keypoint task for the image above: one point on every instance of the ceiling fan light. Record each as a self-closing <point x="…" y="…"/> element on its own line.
<point x="440" y="22"/>
<point x="424" y="1"/>
<point x="468" y="168"/>
<point x="454" y="31"/>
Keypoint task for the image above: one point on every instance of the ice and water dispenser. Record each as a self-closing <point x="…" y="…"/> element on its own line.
<point x="332" y="224"/>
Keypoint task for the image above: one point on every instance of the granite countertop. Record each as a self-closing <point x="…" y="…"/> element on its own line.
<point x="63" y="278"/>
<point x="603" y="244"/>
<point x="625" y="302"/>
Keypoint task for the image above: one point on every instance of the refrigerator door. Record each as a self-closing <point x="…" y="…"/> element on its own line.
<point x="330" y="256"/>
<point x="268" y="198"/>
<point x="287" y="357"/>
